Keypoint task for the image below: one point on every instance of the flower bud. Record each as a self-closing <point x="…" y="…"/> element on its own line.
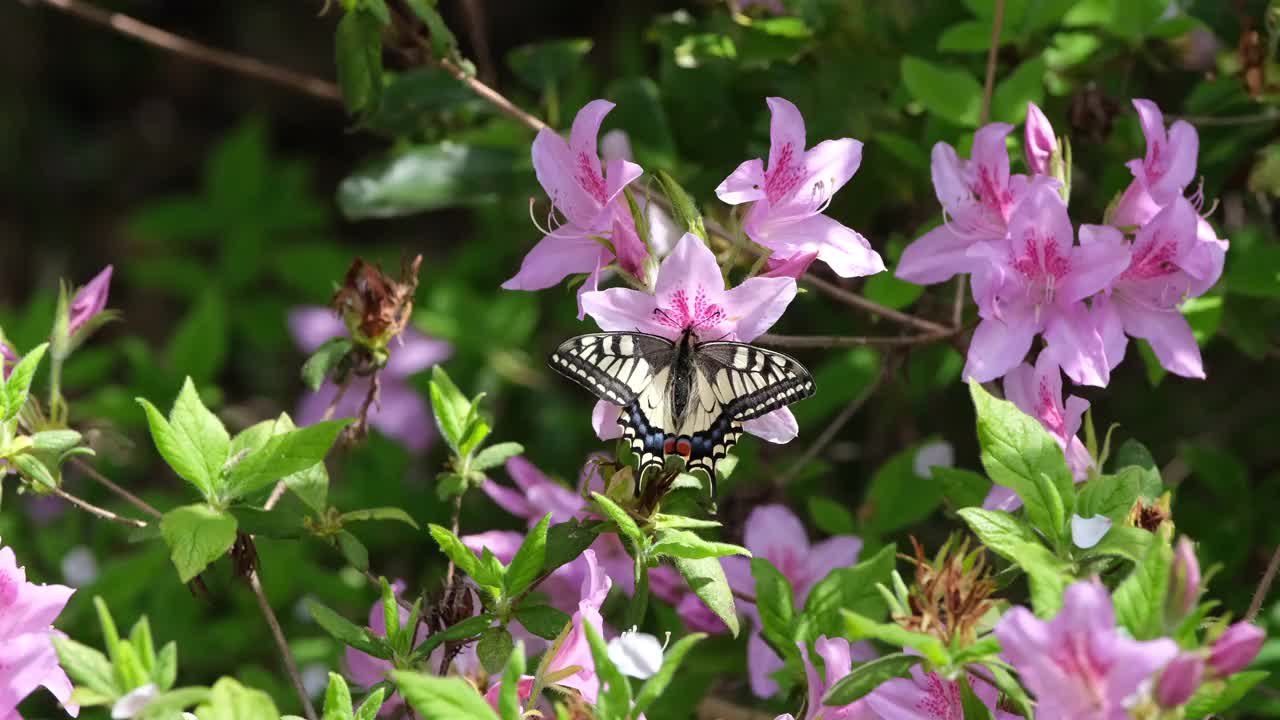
<point x="8" y="358"/>
<point x="1237" y="647"/>
<point x="1179" y="680"/>
<point x="1040" y="143"/>
<point x="1184" y="582"/>
<point x="89" y="300"/>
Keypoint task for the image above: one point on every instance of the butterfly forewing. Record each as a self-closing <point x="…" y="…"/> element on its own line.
<point x="615" y="366"/>
<point x="751" y="382"/>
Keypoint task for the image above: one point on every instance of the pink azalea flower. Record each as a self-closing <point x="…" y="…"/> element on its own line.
<point x="575" y="650"/>
<point x="1038" y="392"/>
<point x="1079" y="666"/>
<point x="929" y="696"/>
<point x="1172" y="261"/>
<point x="978" y="197"/>
<point x="789" y="196"/>
<point x="838" y="656"/>
<point x="400" y="412"/>
<point x="1034" y="282"/>
<point x="1039" y="143"/>
<point x="561" y="587"/>
<point x="89" y="300"/>
<point x="590" y="198"/>
<point x="1170" y="162"/>
<point x="777" y="535"/>
<point x="1236" y="648"/>
<point x="27" y="656"/>
<point x="690" y="293"/>
<point x="667" y="585"/>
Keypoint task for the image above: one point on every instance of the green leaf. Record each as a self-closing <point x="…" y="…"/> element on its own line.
<point x="437" y="697"/>
<point x="962" y="488"/>
<point x="971" y="704"/>
<point x="443" y="43"/>
<point x="971" y="36"/>
<point x="830" y="516"/>
<point x="87" y="667"/>
<point x="1019" y="454"/>
<point x="1000" y="531"/>
<point x="198" y="345"/>
<point x="281" y="522"/>
<point x="615" y="692"/>
<point x="140" y="638"/>
<point x="1046" y="574"/>
<point x="626" y="524"/>
<point x="453" y="548"/>
<point x="347" y="632"/>
<point x="353" y="550"/>
<point x="494" y="648"/>
<point x="18" y="386"/>
<point x="337" y="699"/>
<point x="950" y="93"/>
<point x="323" y="361"/>
<point x="460" y="630"/>
<point x="671" y="661"/>
<point x="420" y="178"/>
<point x="1130" y="543"/>
<point x="689" y="545"/>
<point x="197" y="535"/>
<point x="896" y="497"/>
<point x="707" y="580"/>
<point x="868" y="676"/>
<point x="283" y="455"/>
<point x="548" y="64"/>
<point x="33" y="469"/>
<point x="852" y="588"/>
<point x="1025" y="84"/>
<point x="495" y="455"/>
<point x="450" y="407"/>
<point x="1140" y="599"/>
<point x="368" y="709"/>
<point x="542" y="620"/>
<point x="358" y="52"/>
<point x="166" y="704"/>
<point x="166" y="670"/>
<point x="381" y="513"/>
<point x="775" y="601"/>
<point x="509" y="697"/>
<point x="1112" y="496"/>
<point x="566" y="541"/>
<point x="859" y="627"/>
<point x="685" y="210"/>
<point x="1218" y="696"/>
<point x="529" y="560"/>
<point x="229" y="700"/>
<point x="1012" y="689"/>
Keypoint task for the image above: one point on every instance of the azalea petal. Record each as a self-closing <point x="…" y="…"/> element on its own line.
<point x="737" y="570"/>
<point x="1169" y="335"/>
<point x="792" y="267"/>
<point x="950" y="177"/>
<point x="1151" y="120"/>
<point x="1086" y="609"/>
<point x="585" y="133"/>
<point x="1110" y="328"/>
<point x="778" y="427"/>
<point x="1093" y="268"/>
<point x="1001" y="498"/>
<point x="414" y="352"/>
<point x="556" y="167"/>
<point x="313" y="325"/>
<point x="837" y="552"/>
<point x="990" y="158"/>
<point x="756" y="305"/>
<point x="1076" y="344"/>
<point x="29" y="660"/>
<point x="936" y="256"/>
<point x="744" y="184"/>
<point x="1136" y="206"/>
<point x="1039" y="141"/>
<point x="1040" y="229"/>
<point x="502" y="543"/>
<point x="845" y="250"/>
<point x="1025" y="640"/>
<point x="832" y="163"/>
<point x="1133" y="662"/>
<point x="1204" y="263"/>
<point x="507" y="499"/>
<point x="616" y="145"/>
<point x="1087" y="532"/>
<point x="902" y="699"/>
<point x="690" y="266"/>
<point x="786" y="134"/>
<point x="1020" y="387"/>
<point x="604" y="418"/>
<point x="554" y="258"/>
<point x="592" y="282"/>
<point x="1180" y="167"/>
<point x="621" y="174"/>
<point x="999" y="345"/>
<point x="629" y="248"/>
<point x="774" y="533"/>
<point x="618" y="309"/>
<point x="762" y="662"/>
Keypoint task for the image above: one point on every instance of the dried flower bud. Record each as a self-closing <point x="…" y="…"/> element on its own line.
<point x="1237" y="647"/>
<point x="1180" y="679"/>
<point x="374" y="307"/>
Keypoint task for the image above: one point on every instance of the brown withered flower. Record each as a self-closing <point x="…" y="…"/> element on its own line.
<point x="951" y="593"/>
<point x="375" y="307"/>
<point x="1152" y="516"/>
<point x="450" y="606"/>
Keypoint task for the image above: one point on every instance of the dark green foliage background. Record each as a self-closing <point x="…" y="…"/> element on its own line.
<point x="221" y="202"/>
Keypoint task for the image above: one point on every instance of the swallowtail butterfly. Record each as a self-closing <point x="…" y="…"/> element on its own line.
<point x="684" y="398"/>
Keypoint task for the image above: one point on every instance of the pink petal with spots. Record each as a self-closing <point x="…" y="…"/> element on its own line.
<point x="1093" y="268"/>
<point x="990" y="160"/>
<point x="929" y="698"/>
<point x="585" y="133"/>
<point x="744" y="184"/>
<point x="691" y="265"/>
<point x="557" y="170"/>
<point x="786" y="136"/>
<point x="778" y="427"/>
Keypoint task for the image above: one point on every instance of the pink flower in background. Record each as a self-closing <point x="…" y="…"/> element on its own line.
<point x="978" y="197"/>
<point x="1170" y="163"/>
<point x="1236" y="648"/>
<point x="1170" y="263"/>
<point x="1038" y="392"/>
<point x="400" y="412"/>
<point x="89" y="300"/>
<point x="690" y="294"/>
<point x="590" y="198"/>
<point x="837" y="656"/>
<point x="1039" y="141"/>
<point x="663" y="231"/>
<point x="8" y="358"/>
<point x="27" y="657"/>
<point x="789" y="196"/>
<point x="929" y="696"/>
<point x="777" y="535"/>
<point x="1034" y="282"/>
<point x="1079" y="666"/>
<point x="1180" y="680"/>
<point x="575" y="649"/>
<point x="667" y="585"/>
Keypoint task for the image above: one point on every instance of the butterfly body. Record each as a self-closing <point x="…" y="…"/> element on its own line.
<point x="684" y="398"/>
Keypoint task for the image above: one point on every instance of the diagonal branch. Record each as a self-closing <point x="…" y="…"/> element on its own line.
<point x="835" y="426"/>
<point x="277" y="634"/>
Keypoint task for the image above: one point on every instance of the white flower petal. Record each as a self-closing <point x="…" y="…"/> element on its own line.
<point x="1086" y="532"/>
<point x="937" y="453"/>
<point x="131" y="705"/>
<point x="638" y="655"/>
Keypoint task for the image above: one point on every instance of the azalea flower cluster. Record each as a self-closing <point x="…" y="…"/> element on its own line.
<point x="27" y="657"/>
<point x="1127" y="277"/>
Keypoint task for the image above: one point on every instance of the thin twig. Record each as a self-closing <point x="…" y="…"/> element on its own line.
<point x="843" y="341"/>
<point x="477" y="32"/>
<point x="988" y="88"/>
<point x="289" y="663"/>
<point x="457" y="511"/>
<point x="103" y="480"/>
<point x="856" y="300"/>
<point x="151" y="35"/>
<point x="834" y="427"/>
<point x="1264" y="587"/>
<point x="494" y="97"/>
<point x="1231" y="120"/>
<point x="94" y="509"/>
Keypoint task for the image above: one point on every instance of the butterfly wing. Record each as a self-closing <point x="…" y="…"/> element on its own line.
<point x="733" y="383"/>
<point x="630" y="370"/>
